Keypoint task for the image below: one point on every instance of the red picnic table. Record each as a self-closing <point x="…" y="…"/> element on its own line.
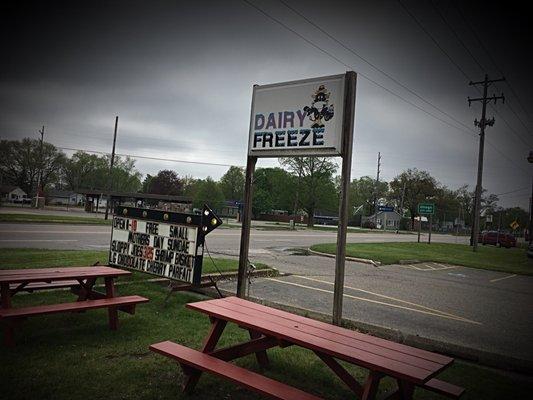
<point x="80" y="279"/>
<point x="269" y="327"/>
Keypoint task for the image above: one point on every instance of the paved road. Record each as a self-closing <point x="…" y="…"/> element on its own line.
<point x="475" y="308"/>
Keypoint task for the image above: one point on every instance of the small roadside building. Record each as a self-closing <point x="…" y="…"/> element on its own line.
<point x="384" y="219"/>
<point x="64" y="198"/>
<point x="13" y="194"/>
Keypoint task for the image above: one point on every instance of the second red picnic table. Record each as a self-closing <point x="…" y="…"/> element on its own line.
<point x="270" y="327"/>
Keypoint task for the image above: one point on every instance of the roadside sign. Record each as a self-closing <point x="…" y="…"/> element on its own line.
<point x="162" y="243"/>
<point x="298" y="118"/>
<point x="514" y="225"/>
<point x="426" y="208"/>
<point x="385" y="208"/>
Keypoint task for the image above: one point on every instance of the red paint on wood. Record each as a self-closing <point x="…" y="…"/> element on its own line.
<point x="235" y="374"/>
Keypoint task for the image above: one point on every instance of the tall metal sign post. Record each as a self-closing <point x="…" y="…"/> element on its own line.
<point x="311" y="117"/>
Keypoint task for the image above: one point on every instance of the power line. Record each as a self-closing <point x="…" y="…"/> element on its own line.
<point x="443" y="18"/>
<point x="468" y="130"/>
<point x="351" y="67"/>
<point x="150" y="158"/>
<point x="512" y="191"/>
<point x="480" y="42"/>
<point x="372" y="64"/>
<point x="460" y="70"/>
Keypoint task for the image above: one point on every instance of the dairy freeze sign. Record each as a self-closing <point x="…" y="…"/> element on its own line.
<point x="161" y="243"/>
<point x="297" y="118"/>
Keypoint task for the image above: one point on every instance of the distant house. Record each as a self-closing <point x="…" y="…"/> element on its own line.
<point x="13" y="194"/>
<point x="64" y="198"/>
<point x="384" y="219"/>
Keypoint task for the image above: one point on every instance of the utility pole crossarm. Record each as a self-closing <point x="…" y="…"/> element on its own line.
<point x="502" y="79"/>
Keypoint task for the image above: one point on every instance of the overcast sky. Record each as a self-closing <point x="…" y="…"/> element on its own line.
<point x="179" y="75"/>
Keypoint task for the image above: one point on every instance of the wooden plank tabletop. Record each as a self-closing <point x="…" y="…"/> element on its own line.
<point x="58" y="274"/>
<point x="377" y="354"/>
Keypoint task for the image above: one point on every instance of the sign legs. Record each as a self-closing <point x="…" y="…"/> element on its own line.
<point x="245" y="231"/>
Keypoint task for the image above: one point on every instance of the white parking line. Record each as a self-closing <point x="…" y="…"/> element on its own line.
<point x="501" y="279"/>
<point x="460" y="319"/>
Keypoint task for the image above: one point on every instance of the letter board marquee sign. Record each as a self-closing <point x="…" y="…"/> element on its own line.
<point x="297" y="118"/>
<point x="167" y="244"/>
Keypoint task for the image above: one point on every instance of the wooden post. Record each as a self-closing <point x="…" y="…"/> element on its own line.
<point x="245" y="231"/>
<point x="347" y="142"/>
<point x="419" y="226"/>
<point x="430" y="224"/>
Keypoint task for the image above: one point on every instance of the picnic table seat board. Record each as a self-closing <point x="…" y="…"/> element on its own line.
<point x="271" y="327"/>
<point x="80" y="279"/>
<point x="258" y="383"/>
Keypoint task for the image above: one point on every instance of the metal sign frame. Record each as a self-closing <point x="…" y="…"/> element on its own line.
<point x="203" y="224"/>
<point x="347" y="124"/>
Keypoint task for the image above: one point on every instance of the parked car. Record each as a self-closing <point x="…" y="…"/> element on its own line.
<point x="530" y="251"/>
<point x="498" y="239"/>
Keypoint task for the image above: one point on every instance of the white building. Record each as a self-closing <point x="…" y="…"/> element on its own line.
<point x="13" y="194"/>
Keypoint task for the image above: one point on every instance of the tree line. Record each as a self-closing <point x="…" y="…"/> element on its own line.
<point x="302" y="185"/>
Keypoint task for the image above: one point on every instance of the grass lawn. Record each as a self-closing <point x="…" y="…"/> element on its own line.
<point x="54" y="219"/>
<point x="68" y="356"/>
<point x="512" y="260"/>
<point x="39" y="258"/>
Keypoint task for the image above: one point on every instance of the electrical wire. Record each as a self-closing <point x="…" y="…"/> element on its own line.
<point x="461" y="70"/>
<point x="480" y="42"/>
<point x="151" y="158"/>
<point x="351" y="67"/>
<point x="443" y="18"/>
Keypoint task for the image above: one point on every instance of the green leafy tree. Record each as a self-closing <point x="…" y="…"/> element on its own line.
<point x="22" y="162"/>
<point x="315" y="186"/>
<point x="419" y="186"/>
<point x="232" y="183"/>
<point x="364" y="190"/>
<point x="273" y="189"/>
<point x="165" y="182"/>
<point x="208" y="192"/>
<point x="89" y="171"/>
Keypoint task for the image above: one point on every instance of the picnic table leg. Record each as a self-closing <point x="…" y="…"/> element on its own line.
<point x="343" y="375"/>
<point x="111" y="311"/>
<point x="370" y="388"/>
<point x="86" y="289"/>
<point x="210" y="342"/>
<point x="6" y="303"/>
<point x="405" y="389"/>
<point x="261" y="356"/>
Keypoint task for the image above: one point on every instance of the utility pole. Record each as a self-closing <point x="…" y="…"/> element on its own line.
<point x="376" y="192"/>
<point x="111" y="170"/>
<point x="530" y="228"/>
<point x="482" y="124"/>
<point x="40" y="176"/>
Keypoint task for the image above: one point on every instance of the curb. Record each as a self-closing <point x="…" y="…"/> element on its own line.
<point x="482" y="357"/>
<point x="360" y="260"/>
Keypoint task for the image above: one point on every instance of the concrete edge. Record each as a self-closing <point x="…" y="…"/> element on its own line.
<point x="360" y="260"/>
<point x="482" y="357"/>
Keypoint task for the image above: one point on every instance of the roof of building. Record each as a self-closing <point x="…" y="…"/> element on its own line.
<point x="8" y="188"/>
<point x="136" y="196"/>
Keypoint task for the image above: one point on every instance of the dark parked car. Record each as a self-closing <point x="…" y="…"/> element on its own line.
<point x="498" y="238"/>
<point x="530" y="251"/>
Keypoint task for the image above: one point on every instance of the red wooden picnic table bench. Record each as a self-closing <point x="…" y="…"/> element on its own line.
<point x="80" y="279"/>
<point x="269" y="327"/>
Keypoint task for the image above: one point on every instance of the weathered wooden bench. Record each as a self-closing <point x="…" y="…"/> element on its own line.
<point x="192" y="359"/>
<point x="269" y="327"/>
